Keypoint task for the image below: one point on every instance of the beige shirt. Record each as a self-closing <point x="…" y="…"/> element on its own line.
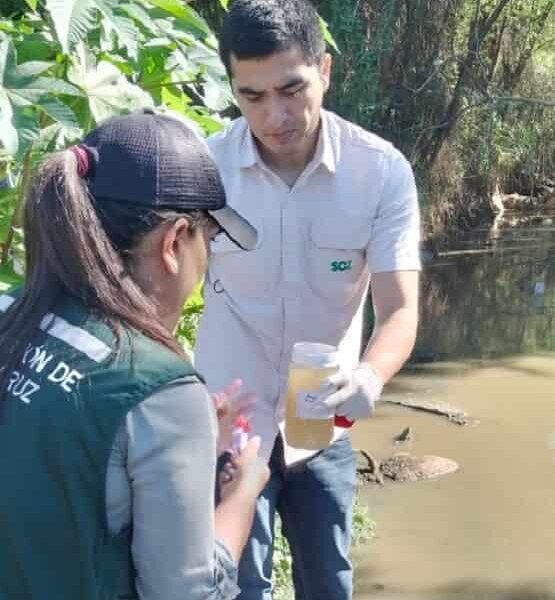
<point x="351" y="213"/>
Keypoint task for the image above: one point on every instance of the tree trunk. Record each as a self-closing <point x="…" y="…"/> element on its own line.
<point x="479" y="28"/>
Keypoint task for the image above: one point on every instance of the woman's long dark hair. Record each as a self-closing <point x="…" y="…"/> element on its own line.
<point x="77" y="248"/>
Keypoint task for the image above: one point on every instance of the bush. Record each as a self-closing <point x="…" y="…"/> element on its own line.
<point x="65" y="65"/>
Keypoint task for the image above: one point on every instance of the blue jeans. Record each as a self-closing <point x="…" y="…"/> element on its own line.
<point x="315" y="502"/>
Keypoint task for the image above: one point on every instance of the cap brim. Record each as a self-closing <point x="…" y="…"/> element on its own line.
<point x="237" y="229"/>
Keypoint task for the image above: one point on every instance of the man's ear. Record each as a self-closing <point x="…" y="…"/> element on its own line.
<point x="172" y="242"/>
<point x="325" y="70"/>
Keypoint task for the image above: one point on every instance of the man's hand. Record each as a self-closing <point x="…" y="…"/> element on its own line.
<point x="354" y="394"/>
<point x="229" y="404"/>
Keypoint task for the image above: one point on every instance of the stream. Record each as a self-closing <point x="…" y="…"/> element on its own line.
<point x="486" y="346"/>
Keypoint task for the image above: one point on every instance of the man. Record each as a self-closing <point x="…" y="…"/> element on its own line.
<point x="334" y="206"/>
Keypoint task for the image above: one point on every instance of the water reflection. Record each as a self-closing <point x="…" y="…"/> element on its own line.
<point x="490" y="297"/>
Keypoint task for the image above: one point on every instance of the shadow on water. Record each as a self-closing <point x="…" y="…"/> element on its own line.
<point x="464" y="590"/>
<point x="368" y="586"/>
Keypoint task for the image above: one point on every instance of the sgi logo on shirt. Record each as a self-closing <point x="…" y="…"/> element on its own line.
<point x="341" y="265"/>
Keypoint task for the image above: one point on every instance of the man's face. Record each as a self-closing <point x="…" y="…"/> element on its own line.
<point x="280" y="96"/>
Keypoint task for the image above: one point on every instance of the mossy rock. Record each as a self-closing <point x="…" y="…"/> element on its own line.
<point x="406" y="467"/>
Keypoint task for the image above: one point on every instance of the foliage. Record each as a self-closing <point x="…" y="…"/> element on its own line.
<point x="282" y="576"/>
<point x="186" y="331"/>
<point x="65" y="65"/>
<point x="447" y="82"/>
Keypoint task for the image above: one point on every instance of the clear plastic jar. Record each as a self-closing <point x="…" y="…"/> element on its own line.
<point x="311" y="364"/>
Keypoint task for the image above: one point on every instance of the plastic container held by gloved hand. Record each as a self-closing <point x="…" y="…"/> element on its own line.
<point x="311" y="364"/>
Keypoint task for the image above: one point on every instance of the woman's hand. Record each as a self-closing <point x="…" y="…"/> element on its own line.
<point x="245" y="472"/>
<point x="241" y="482"/>
<point x="229" y="405"/>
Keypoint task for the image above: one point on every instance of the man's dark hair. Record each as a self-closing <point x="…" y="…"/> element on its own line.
<point x="258" y="28"/>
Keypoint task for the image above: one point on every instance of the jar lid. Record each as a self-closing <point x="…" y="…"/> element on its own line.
<point x="312" y="354"/>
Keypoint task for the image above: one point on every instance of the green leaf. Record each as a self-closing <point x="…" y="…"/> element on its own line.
<point x="124" y="29"/>
<point x="7" y="56"/>
<point x="108" y="91"/>
<point x="210" y="123"/>
<point x="58" y="136"/>
<point x="20" y="82"/>
<point x="58" y="111"/>
<point x="155" y="72"/>
<point x="216" y="93"/>
<point x="22" y="87"/>
<point x="8" y="134"/>
<point x="328" y="36"/>
<point x="224" y="4"/>
<point x="35" y="47"/>
<point x="29" y="70"/>
<point x="32" y="4"/>
<point x="8" y="278"/>
<point x="141" y="16"/>
<point x="186" y="15"/>
<point x="175" y="99"/>
<point x="26" y="122"/>
<point x="73" y="19"/>
<point x="32" y="91"/>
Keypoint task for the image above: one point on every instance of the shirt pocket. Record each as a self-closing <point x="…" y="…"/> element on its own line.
<point x="337" y="255"/>
<point x="235" y="270"/>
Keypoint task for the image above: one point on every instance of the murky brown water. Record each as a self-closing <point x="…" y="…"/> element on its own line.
<point x="487" y="345"/>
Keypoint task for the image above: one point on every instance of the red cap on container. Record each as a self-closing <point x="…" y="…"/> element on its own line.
<point x="241" y="422"/>
<point x="342" y="422"/>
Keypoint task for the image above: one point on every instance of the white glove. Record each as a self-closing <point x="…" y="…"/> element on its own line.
<point x="353" y="395"/>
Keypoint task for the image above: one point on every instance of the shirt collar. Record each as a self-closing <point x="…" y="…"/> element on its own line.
<point x="249" y="155"/>
<point x="325" y="149"/>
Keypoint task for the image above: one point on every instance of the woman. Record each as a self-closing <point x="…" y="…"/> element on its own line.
<point x="107" y="434"/>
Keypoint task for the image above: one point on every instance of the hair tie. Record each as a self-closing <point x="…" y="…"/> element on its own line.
<point x="82" y="157"/>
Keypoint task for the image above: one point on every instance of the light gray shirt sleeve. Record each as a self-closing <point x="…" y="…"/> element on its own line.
<point x="161" y="478"/>
<point x="395" y="237"/>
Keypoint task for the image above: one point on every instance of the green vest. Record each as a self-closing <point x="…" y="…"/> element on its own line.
<point x="60" y="416"/>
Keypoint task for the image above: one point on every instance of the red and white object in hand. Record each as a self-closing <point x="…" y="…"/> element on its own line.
<point x="240" y="433"/>
<point x="340" y="421"/>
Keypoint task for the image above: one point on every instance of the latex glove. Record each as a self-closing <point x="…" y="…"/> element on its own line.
<point x="231" y="403"/>
<point x="353" y="394"/>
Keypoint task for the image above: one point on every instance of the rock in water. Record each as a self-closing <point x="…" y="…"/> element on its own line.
<point x="406" y="467"/>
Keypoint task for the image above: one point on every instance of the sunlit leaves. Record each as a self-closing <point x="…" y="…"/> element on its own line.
<point x="123" y="30"/>
<point x="24" y="86"/>
<point x="73" y="19"/>
<point x="328" y="36"/>
<point x="8" y="133"/>
<point x="73" y="63"/>
<point x="185" y="14"/>
<point x="108" y="91"/>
